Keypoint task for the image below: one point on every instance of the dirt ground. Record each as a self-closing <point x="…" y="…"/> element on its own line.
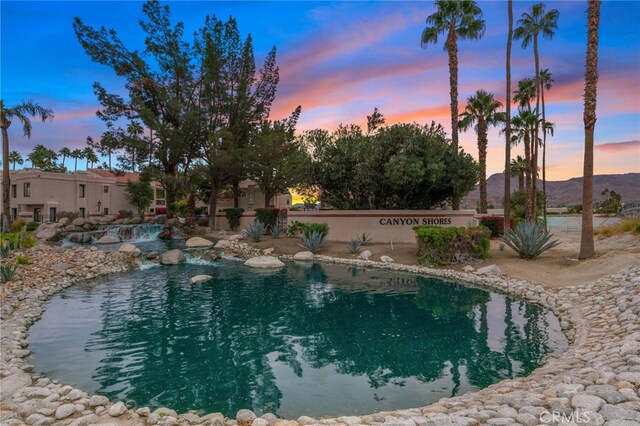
<point x="556" y="268"/>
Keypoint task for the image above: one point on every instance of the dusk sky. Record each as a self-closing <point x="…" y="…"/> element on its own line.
<point x="339" y="60"/>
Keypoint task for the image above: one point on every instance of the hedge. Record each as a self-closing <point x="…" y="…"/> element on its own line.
<point x="444" y="245"/>
<point x="233" y="215"/>
<point x="307" y="228"/>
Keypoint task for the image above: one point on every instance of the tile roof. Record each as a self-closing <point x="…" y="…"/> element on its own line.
<point x="123" y="178"/>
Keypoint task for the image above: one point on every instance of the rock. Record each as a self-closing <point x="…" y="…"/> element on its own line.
<point x="303" y="255"/>
<point x="63" y="221"/>
<point x="587" y="402"/>
<point x="386" y="259"/>
<point x="48" y="232"/>
<point x="237" y="237"/>
<point x="268" y="250"/>
<point x="305" y="420"/>
<point x="129" y="249"/>
<point x="196" y="242"/>
<point x="271" y="418"/>
<point x="64" y="411"/>
<point x="260" y="422"/>
<point x="172" y="257"/>
<point x="264" y="262"/>
<point x="117" y="409"/>
<point x="211" y="256"/>
<point x="629" y="377"/>
<point x="79" y="221"/>
<point x="468" y="269"/>
<point x="165" y="234"/>
<point x="223" y="244"/>
<point x="143" y="412"/>
<point x="61" y="266"/>
<point x="152" y="255"/>
<point x="365" y="255"/>
<point x="490" y="270"/>
<point x="97" y="400"/>
<point x="165" y="412"/>
<point x="108" y="239"/>
<point x="200" y="278"/>
<point x="245" y="417"/>
<point x="172" y="222"/>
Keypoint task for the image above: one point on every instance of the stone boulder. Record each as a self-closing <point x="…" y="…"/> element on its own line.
<point x="211" y="256"/>
<point x="80" y="237"/>
<point x="152" y="255"/>
<point x="196" y="242"/>
<point x="468" y="269"/>
<point x="165" y="234"/>
<point x="106" y="219"/>
<point x="200" y="278"/>
<point x="172" y="222"/>
<point x="63" y="221"/>
<point x="129" y="249"/>
<point x="108" y="239"/>
<point x="386" y="259"/>
<point x="490" y="270"/>
<point x="237" y="237"/>
<point x="172" y="257"/>
<point x="303" y="255"/>
<point x="79" y="221"/>
<point x="223" y="244"/>
<point x="365" y="255"/>
<point x="264" y="262"/>
<point x="49" y="232"/>
<point x="136" y="220"/>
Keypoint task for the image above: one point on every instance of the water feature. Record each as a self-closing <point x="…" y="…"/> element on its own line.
<point x="135" y="233"/>
<point x="313" y="339"/>
<point x="141" y="234"/>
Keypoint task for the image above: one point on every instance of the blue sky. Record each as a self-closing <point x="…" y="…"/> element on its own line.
<point x="341" y="59"/>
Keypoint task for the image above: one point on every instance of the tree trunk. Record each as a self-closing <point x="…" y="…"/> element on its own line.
<point x="6" y="178"/>
<point x="534" y="142"/>
<point x="587" y="249"/>
<point x="544" y="154"/>
<point x="213" y="205"/>
<point x="170" y="197"/>
<point x="482" y="159"/>
<point x="452" y="48"/>
<point x="520" y="181"/>
<point x="507" y="133"/>
<point x="190" y="219"/>
<point x="236" y="194"/>
<point x="528" y="177"/>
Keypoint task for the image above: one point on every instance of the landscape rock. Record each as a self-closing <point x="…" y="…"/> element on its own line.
<point x="79" y="221"/>
<point x="386" y="259"/>
<point x="64" y="411"/>
<point x="365" y="255"/>
<point x="152" y="255"/>
<point x="468" y="269"/>
<point x="96" y="400"/>
<point x="172" y="257"/>
<point x="129" y="249"/>
<point x="223" y="244"/>
<point x="165" y="234"/>
<point x="117" y="409"/>
<point x="264" y="262"/>
<point x="489" y="270"/>
<point x="303" y="255"/>
<point x="200" y="278"/>
<point x="48" y="232"/>
<point x="197" y="242"/>
<point x="211" y="256"/>
<point x="245" y="417"/>
<point x="108" y="239"/>
<point x="63" y="221"/>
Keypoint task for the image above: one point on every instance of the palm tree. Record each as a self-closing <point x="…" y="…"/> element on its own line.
<point x="76" y="154"/>
<point x="461" y="19"/>
<point x="481" y="111"/>
<point x="15" y="158"/>
<point x="64" y="152"/>
<point x="546" y="82"/>
<point x="525" y="124"/>
<point x="90" y="156"/>
<point x="587" y="249"/>
<point x="517" y="167"/>
<point x="21" y="112"/>
<point x="507" y="149"/>
<point x="530" y="25"/>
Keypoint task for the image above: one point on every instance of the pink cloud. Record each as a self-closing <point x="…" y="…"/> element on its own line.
<point x="619" y="146"/>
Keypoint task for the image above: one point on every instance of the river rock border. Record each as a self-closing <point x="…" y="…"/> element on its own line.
<point x="596" y="381"/>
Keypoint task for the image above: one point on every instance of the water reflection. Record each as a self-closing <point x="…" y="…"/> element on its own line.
<point x="309" y="339"/>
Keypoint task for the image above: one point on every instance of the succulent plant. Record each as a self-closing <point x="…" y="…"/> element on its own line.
<point x="364" y="239"/>
<point x="276" y="230"/>
<point x="7" y="270"/>
<point x="354" y="246"/>
<point x="256" y="230"/>
<point x="529" y="240"/>
<point x="312" y="241"/>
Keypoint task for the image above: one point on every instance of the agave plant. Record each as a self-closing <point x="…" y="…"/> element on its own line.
<point x="7" y="270"/>
<point x="256" y="230"/>
<point x="312" y="241"/>
<point x="529" y="240"/>
<point x="5" y="250"/>
<point x="364" y="239"/>
<point x="354" y="246"/>
<point x="276" y="230"/>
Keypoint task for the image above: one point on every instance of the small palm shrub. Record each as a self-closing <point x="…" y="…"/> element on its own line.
<point x="312" y="241"/>
<point x="276" y="230"/>
<point x="354" y="246"/>
<point x="529" y="240"/>
<point x="364" y="239"/>
<point x="256" y="230"/>
<point x="7" y="271"/>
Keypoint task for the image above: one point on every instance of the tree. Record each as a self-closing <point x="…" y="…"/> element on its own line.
<point x="22" y="112"/>
<point x="546" y="82"/>
<point x="530" y="26"/>
<point x="139" y="193"/>
<point x="524" y="126"/>
<point x="15" y="158"/>
<point x="461" y="19"/>
<point x="43" y="158"/>
<point x="507" y="133"/>
<point x="77" y="154"/>
<point x="587" y="249"/>
<point x="64" y="152"/>
<point x="517" y="167"/>
<point x="375" y="120"/>
<point x="482" y="111"/>
<point x="90" y="155"/>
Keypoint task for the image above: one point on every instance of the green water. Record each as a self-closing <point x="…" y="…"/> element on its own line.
<point x="309" y="339"/>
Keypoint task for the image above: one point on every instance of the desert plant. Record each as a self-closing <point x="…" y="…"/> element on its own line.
<point x="529" y="240"/>
<point x="312" y="241"/>
<point x="17" y="225"/>
<point x="443" y="245"/>
<point x="233" y="217"/>
<point x="32" y="226"/>
<point x="364" y="239"/>
<point x="267" y="216"/>
<point x="354" y="246"/>
<point x="24" y="260"/>
<point x="631" y="224"/>
<point x="276" y="230"/>
<point x="7" y="271"/>
<point x="18" y="240"/>
<point x="5" y="250"/>
<point x="256" y="230"/>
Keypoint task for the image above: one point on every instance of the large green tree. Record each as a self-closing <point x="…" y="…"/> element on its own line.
<point x="140" y="194"/>
<point x="44" y="158"/>
<point x="15" y="158"/>
<point x="21" y="112"/>
<point x="587" y="249"/>
<point x="459" y="20"/>
<point x="64" y="152"/>
<point x="482" y="111"/>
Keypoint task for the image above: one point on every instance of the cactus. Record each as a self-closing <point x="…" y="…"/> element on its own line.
<point x="276" y="230"/>
<point x="364" y="239"/>
<point x="256" y="230"/>
<point x="312" y="241"/>
<point x="7" y="271"/>
<point x="529" y="240"/>
<point x="354" y="246"/>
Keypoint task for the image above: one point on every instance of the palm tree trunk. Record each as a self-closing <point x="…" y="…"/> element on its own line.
<point x="6" y="178"/>
<point x="482" y="159"/>
<point x="521" y="182"/>
<point x="75" y="168"/>
<point x="507" y="133"/>
<point x="109" y="155"/>
<point x="213" y="204"/>
<point x="587" y="249"/>
<point x="544" y="154"/>
<point x="534" y="142"/>
<point x="528" y="177"/>
<point x="452" y="48"/>
<point x="191" y="210"/>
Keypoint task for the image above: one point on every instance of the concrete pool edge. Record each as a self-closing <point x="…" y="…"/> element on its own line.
<point x="547" y="389"/>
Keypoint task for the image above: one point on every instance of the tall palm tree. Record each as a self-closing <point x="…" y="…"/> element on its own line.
<point x="546" y="82"/>
<point x="77" y="154"/>
<point x="521" y="126"/>
<point x="15" y="158"/>
<point x="65" y="152"/>
<point x="587" y="249"/>
<point x="507" y="148"/>
<point x="458" y="19"/>
<point x="481" y="111"/>
<point x="22" y="112"/>
<point x="90" y="155"/>
<point x="530" y="26"/>
<point x="517" y="168"/>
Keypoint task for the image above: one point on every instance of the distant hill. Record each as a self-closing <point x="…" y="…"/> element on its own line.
<point x="565" y="192"/>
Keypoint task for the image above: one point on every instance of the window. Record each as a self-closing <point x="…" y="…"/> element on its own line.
<point x="14" y="213"/>
<point x="105" y="189"/>
<point x="37" y="214"/>
<point x="14" y="191"/>
<point x="27" y="189"/>
<point x="106" y="210"/>
<point x="81" y="212"/>
<point x="81" y="191"/>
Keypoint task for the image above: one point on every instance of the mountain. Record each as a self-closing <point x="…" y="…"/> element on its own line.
<point x="564" y="192"/>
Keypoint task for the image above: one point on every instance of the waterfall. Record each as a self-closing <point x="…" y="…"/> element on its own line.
<point x="135" y="233"/>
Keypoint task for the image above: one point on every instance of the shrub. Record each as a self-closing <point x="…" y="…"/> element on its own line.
<point x="233" y="217"/>
<point x="267" y="216"/>
<point x="125" y="214"/>
<point x="312" y="241"/>
<point x="23" y="260"/>
<point x="354" y="246"/>
<point x="529" y="240"/>
<point x="519" y="203"/>
<point x="276" y="230"/>
<point x="255" y="230"/>
<point x="495" y="224"/>
<point x="69" y="215"/>
<point x="7" y="271"/>
<point x="307" y="228"/>
<point x="444" y="245"/>
<point x="19" y="240"/>
<point x="631" y="224"/>
<point x="17" y="225"/>
<point x="5" y="250"/>
<point x="364" y="239"/>
<point x="32" y="226"/>
<point x="577" y="209"/>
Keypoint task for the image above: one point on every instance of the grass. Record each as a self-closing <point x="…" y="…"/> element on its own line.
<point x="631" y="224"/>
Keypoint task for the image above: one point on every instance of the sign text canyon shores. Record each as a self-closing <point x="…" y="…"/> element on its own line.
<point x="415" y="221"/>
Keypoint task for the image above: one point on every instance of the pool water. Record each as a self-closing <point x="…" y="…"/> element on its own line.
<point x="312" y="339"/>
